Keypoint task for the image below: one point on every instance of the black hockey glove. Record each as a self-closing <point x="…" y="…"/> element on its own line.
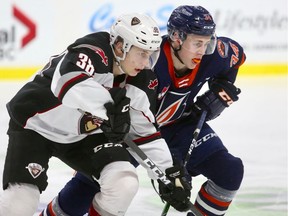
<point x="226" y="90"/>
<point x="222" y="94"/>
<point x="118" y="123"/>
<point x="179" y="196"/>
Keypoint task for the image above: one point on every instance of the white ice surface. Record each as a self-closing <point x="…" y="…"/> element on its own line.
<point x="254" y="128"/>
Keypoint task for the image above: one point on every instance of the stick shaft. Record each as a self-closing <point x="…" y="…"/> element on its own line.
<point x="160" y="174"/>
<point x="188" y="155"/>
<point x="156" y="170"/>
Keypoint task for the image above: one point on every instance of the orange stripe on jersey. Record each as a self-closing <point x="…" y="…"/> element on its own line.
<point x="241" y="61"/>
<point x="179" y="82"/>
<point x="50" y="209"/>
<point x="168" y="113"/>
<point x="203" y="213"/>
<point x="213" y="200"/>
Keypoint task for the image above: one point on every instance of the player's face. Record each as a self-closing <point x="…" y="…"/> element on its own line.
<point x="193" y="49"/>
<point x="136" y="60"/>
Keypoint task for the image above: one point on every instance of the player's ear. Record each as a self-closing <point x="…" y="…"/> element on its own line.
<point x="175" y="38"/>
<point x="118" y="49"/>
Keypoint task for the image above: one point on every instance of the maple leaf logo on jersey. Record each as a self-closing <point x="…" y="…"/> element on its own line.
<point x="153" y="84"/>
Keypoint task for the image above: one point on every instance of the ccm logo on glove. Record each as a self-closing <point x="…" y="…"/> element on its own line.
<point x="125" y="108"/>
<point x="225" y="97"/>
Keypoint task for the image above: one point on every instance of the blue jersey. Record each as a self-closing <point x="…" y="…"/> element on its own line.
<point x="175" y="95"/>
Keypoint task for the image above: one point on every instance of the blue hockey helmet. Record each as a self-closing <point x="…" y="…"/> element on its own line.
<point x="188" y="19"/>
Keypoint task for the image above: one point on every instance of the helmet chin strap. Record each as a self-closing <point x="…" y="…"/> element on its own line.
<point x="176" y="52"/>
<point x="117" y="59"/>
<point x="119" y="66"/>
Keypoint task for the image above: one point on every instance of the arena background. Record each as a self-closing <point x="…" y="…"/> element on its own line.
<point x="254" y="128"/>
<point x="31" y="31"/>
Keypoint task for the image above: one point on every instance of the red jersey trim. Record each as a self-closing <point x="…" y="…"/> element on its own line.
<point x="179" y="82"/>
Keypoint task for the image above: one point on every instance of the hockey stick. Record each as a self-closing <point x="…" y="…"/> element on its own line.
<point x="156" y="170"/>
<point x="195" y="136"/>
<point x="188" y="155"/>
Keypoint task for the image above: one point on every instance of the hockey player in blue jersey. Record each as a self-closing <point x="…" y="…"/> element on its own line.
<point x="191" y="55"/>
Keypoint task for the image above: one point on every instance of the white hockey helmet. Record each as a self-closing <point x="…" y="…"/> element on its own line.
<point x="137" y="30"/>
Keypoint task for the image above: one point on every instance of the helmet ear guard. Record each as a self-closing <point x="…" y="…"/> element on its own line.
<point x="176" y="35"/>
<point x="212" y="45"/>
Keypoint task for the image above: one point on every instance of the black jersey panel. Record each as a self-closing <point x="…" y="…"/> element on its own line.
<point x="34" y="97"/>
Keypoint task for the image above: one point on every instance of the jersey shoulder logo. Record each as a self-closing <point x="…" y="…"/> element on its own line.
<point x="34" y="169"/>
<point x="222" y="48"/>
<point x="102" y="54"/>
<point x="97" y="50"/>
<point x="89" y="123"/>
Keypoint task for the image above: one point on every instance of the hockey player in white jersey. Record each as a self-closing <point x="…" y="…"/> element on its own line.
<point x="79" y="108"/>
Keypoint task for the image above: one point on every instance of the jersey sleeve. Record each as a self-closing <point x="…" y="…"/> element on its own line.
<point x="141" y="89"/>
<point x="231" y="54"/>
<point x="80" y="79"/>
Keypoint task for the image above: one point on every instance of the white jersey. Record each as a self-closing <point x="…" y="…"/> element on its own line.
<point x="65" y="100"/>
